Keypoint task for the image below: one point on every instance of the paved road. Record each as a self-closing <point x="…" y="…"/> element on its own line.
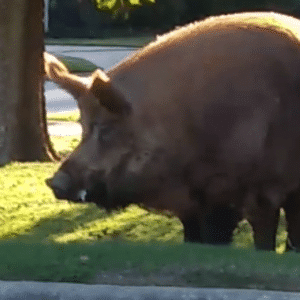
<point x="64" y="291"/>
<point x="58" y="100"/>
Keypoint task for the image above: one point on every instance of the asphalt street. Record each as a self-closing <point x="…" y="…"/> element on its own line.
<point x="66" y="291"/>
<point x="57" y="100"/>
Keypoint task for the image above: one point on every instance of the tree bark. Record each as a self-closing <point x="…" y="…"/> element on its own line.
<point x="28" y="137"/>
<point x="4" y="142"/>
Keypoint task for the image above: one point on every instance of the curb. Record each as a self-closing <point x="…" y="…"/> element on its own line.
<point x="67" y="291"/>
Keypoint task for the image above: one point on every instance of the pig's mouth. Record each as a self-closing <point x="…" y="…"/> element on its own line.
<point x="82" y="195"/>
<point x="96" y="194"/>
<point x="64" y="189"/>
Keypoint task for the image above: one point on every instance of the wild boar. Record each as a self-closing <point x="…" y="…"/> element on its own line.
<point x="206" y="117"/>
<point x="223" y="218"/>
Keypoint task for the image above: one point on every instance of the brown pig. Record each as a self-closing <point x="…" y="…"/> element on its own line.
<point x="203" y="122"/>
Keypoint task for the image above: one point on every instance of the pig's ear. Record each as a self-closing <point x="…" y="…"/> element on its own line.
<point x="56" y="71"/>
<point x="107" y="95"/>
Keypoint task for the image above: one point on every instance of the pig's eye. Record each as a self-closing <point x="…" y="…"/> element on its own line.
<point x="106" y="132"/>
<point x="92" y="126"/>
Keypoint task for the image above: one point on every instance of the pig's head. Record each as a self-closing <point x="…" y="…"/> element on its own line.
<point x="115" y="164"/>
<point x="77" y="86"/>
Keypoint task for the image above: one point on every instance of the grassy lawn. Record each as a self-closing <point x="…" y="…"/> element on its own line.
<point x="75" y="64"/>
<point x="46" y="239"/>
<point x="114" y="41"/>
<point x="63" y="117"/>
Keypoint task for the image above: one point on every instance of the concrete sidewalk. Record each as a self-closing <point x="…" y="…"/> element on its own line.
<point x="58" y="128"/>
<point x="67" y="291"/>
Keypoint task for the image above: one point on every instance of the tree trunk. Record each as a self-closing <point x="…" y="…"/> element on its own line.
<point x="27" y="130"/>
<point x="4" y="142"/>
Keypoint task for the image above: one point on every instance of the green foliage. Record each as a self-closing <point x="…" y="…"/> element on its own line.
<point x="120" y="7"/>
<point x="112" y="5"/>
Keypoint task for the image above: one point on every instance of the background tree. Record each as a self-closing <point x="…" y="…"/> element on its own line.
<point x="23" y="134"/>
<point x="4" y="111"/>
<point x="83" y="20"/>
<point x="23" y="118"/>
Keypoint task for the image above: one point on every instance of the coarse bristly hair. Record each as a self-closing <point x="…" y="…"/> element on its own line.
<point x="283" y="25"/>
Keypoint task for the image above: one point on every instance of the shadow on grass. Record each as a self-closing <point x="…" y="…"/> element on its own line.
<point x="62" y="223"/>
<point x="33" y="256"/>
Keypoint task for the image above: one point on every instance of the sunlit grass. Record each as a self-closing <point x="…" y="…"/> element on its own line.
<point x="43" y="238"/>
<point x="29" y="208"/>
<point x="70" y="116"/>
<point x="64" y="145"/>
<point x="31" y="217"/>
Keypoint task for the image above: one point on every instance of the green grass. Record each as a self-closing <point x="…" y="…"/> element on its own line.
<point x="152" y="264"/>
<point x="30" y="212"/>
<point x="46" y="239"/>
<point x="70" y="116"/>
<point x="49" y="240"/>
<point x="64" y="144"/>
<point x="75" y="64"/>
<point x="138" y="41"/>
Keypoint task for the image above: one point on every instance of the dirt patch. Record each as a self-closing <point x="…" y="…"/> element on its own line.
<point x="168" y="276"/>
<point x="197" y="277"/>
